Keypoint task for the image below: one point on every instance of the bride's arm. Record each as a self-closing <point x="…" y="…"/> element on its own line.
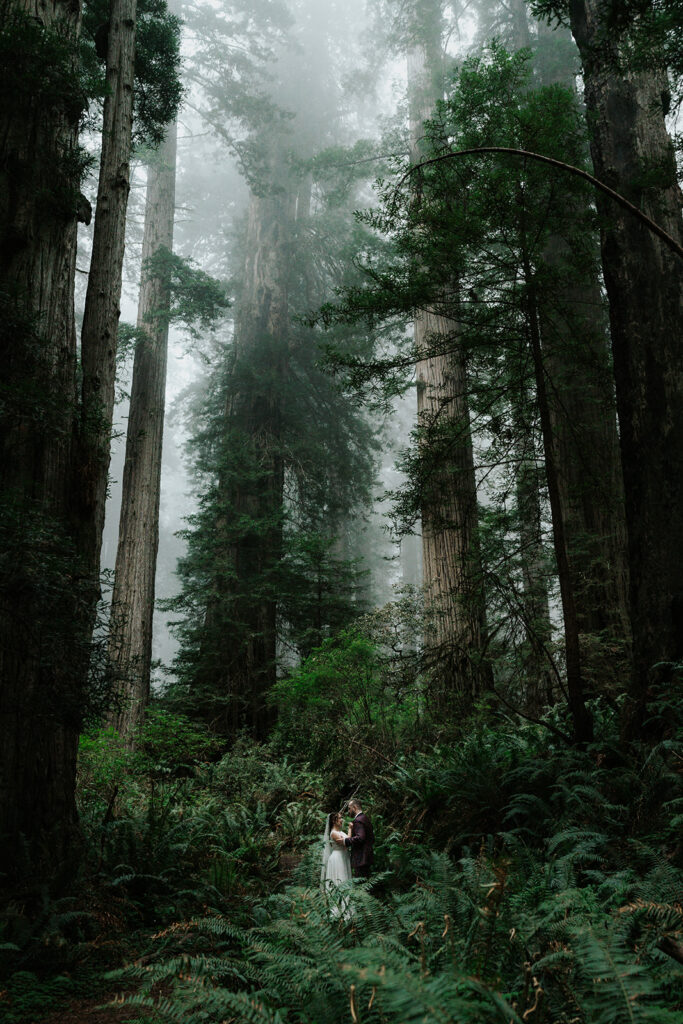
<point x="337" y="836"/>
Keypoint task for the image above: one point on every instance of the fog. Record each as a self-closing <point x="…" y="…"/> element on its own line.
<point x="280" y="97"/>
<point x="317" y="67"/>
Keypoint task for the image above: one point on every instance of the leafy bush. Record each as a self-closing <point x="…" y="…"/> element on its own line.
<point x="356" y="705"/>
<point x="487" y="939"/>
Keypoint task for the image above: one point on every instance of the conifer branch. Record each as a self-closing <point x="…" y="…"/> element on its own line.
<point x="576" y="171"/>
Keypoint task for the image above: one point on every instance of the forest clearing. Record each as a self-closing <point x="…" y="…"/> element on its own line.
<point x="341" y="512"/>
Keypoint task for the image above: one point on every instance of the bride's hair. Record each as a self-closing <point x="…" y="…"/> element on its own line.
<point x="332" y="819"/>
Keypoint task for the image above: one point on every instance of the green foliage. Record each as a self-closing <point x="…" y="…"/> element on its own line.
<point x="171" y="829"/>
<point x="636" y="34"/>
<point x="473" y="942"/>
<point x="40" y="69"/>
<point x="495" y="247"/>
<point x="165" y="747"/>
<point x="197" y="300"/>
<point x="285" y="463"/>
<point x="346" y="698"/>
<point x="515" y="877"/>
<point x="158" y="90"/>
<point x="27" y="997"/>
<point x="237" y="49"/>
<point x="40" y="65"/>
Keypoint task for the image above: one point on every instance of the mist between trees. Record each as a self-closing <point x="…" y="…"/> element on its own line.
<point x="342" y="451"/>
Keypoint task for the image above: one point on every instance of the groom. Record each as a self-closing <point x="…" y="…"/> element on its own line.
<point x="360" y="841"/>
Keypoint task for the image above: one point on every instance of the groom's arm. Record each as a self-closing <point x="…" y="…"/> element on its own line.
<point x="357" y="836"/>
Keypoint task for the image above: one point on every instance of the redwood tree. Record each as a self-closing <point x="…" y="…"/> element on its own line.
<point x="451" y="559"/>
<point x="136" y="556"/>
<point x="40" y="590"/>
<point x="57" y="415"/>
<point x="633" y="154"/>
<point x="101" y="316"/>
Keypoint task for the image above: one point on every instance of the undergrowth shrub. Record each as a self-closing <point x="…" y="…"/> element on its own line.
<point x="517" y="879"/>
<point x="171" y="828"/>
<point x="505" y="939"/>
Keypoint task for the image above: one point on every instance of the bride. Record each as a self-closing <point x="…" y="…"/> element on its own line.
<point x="336" y="862"/>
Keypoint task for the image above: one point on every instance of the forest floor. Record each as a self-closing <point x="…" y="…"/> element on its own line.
<point x="96" y="1011"/>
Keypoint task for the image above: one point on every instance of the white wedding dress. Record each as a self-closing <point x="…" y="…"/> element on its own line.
<point x="338" y="861"/>
<point x="336" y="870"/>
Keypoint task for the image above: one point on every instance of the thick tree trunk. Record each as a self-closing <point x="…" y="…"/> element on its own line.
<point x="130" y="650"/>
<point x="581" y="717"/>
<point x="40" y="651"/>
<point x="451" y="559"/>
<point x="590" y="482"/>
<point x="101" y="315"/>
<point x="633" y="154"/>
<point x="586" y="443"/>
<point x="252" y="482"/>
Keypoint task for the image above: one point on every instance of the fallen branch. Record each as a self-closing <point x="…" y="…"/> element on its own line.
<point x="671" y="948"/>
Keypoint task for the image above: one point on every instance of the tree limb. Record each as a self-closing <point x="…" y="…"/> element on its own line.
<point x="576" y="171"/>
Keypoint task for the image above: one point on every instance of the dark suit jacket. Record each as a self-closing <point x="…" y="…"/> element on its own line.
<point x="361" y="841"/>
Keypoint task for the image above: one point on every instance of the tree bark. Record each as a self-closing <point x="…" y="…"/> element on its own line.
<point x="538" y="688"/>
<point x="451" y="559"/>
<point x="103" y="296"/>
<point x="633" y="154"/>
<point x="581" y="716"/>
<point x="40" y="695"/>
<point x="590" y="482"/>
<point x="130" y="650"/>
<point x="586" y="443"/>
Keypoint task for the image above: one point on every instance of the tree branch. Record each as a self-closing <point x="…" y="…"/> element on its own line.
<point x="576" y="171"/>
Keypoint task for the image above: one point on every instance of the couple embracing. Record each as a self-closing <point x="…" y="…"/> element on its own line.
<point x="347" y="852"/>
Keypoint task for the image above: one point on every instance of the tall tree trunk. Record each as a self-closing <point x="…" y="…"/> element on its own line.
<point x="537" y="690"/>
<point x="590" y="481"/>
<point x="586" y="443"/>
<point x="253" y="479"/>
<point x="633" y="154"/>
<point x="535" y="606"/>
<point x="40" y="692"/>
<point x="103" y="296"/>
<point x="452" y="570"/>
<point x="133" y="597"/>
<point x="581" y="716"/>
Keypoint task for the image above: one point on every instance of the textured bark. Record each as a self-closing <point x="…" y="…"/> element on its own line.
<point x="581" y="717"/>
<point x="590" y="482"/>
<point x="451" y="560"/>
<point x="633" y="154"/>
<point x="252" y="489"/>
<point x="101" y="315"/>
<point x="586" y="446"/>
<point x="39" y="694"/>
<point x="133" y="597"/>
